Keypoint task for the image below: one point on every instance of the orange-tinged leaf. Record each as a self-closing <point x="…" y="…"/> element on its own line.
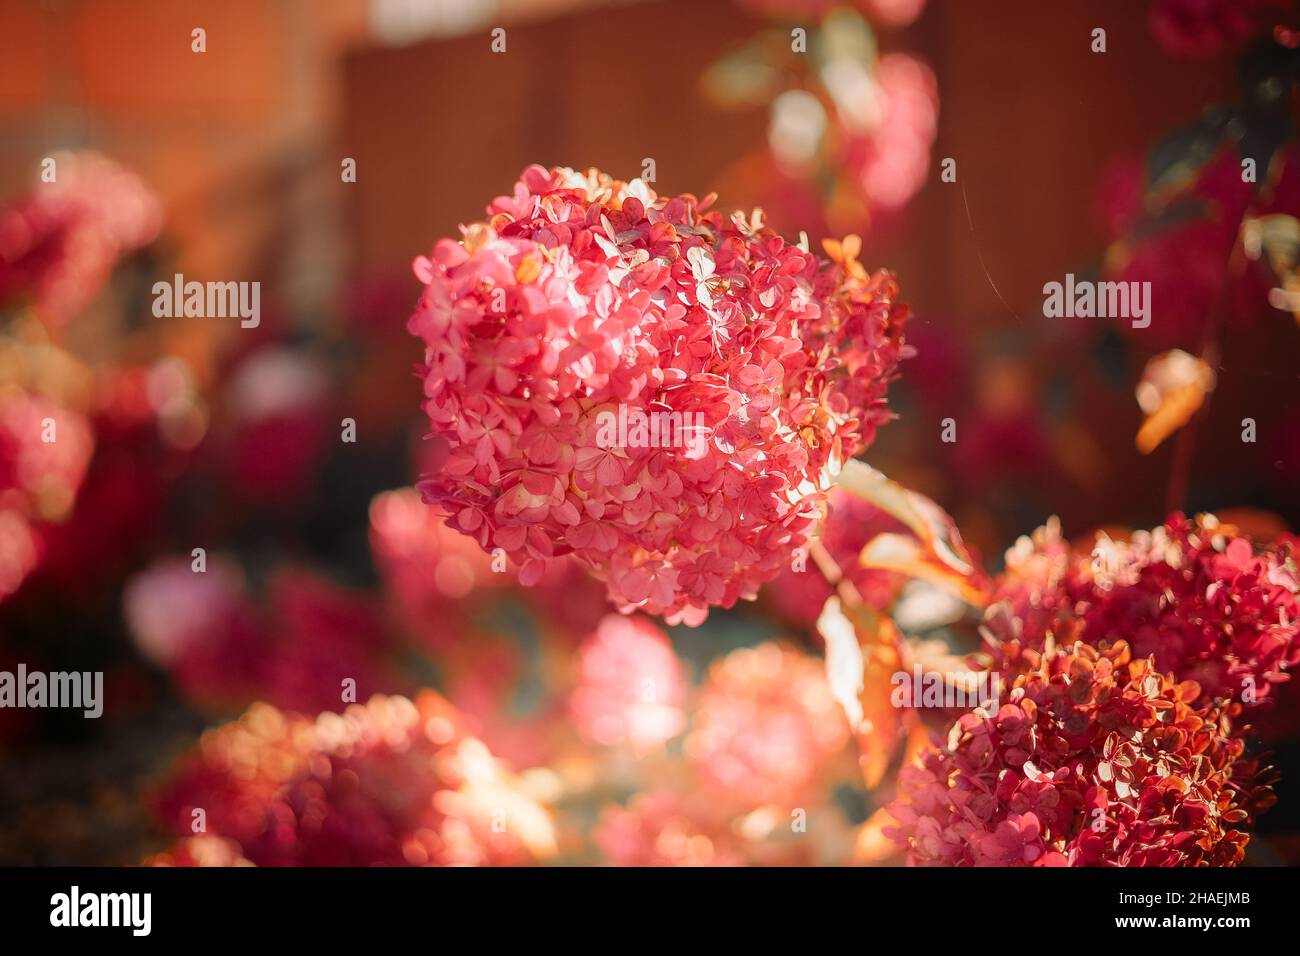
<point x="1174" y="385"/>
<point x="906" y="555"/>
<point x="937" y="554"/>
<point x="918" y="739"/>
<point x="1175" y="411"/>
<point x="845" y="662"/>
<point x="863" y="653"/>
<point x="871" y="847"/>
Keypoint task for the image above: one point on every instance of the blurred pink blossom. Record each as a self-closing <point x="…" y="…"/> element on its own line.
<point x="1201" y="29"/>
<point x="59" y="243"/>
<point x="765" y="725"/>
<point x="630" y="685"/>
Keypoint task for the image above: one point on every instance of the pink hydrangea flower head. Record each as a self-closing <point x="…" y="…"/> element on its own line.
<point x="584" y="301"/>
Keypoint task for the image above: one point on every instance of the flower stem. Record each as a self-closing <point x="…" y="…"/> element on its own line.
<point x="834" y="575"/>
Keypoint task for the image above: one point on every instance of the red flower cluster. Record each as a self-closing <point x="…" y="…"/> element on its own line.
<point x="1121" y="742"/>
<point x="1193" y="594"/>
<point x="394" y="782"/>
<point x="583" y="297"/>
<point x="1096" y="759"/>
